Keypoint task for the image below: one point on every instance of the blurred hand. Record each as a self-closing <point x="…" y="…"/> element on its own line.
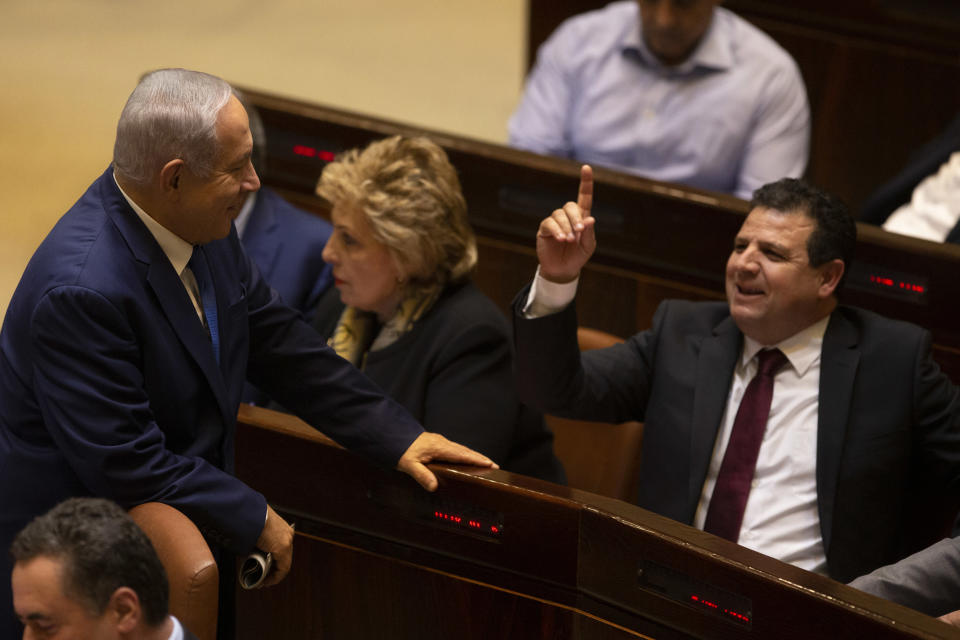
<point x="277" y="539"/>
<point x="433" y="447"/>
<point x="951" y="618"/>
<point x="566" y="239"/>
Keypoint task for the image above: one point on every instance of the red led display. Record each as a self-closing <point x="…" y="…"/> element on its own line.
<point x="897" y="284"/>
<point x="311" y="152"/>
<point x="716" y="607"/>
<point x="466" y="523"/>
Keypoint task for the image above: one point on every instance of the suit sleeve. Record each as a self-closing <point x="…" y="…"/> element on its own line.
<point x="90" y="389"/>
<point x="936" y="422"/>
<point x="470" y="397"/>
<point x="928" y="581"/>
<point x="606" y="385"/>
<point x="292" y="363"/>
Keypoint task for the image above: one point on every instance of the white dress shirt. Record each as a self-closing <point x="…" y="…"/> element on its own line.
<point x="781" y="518"/>
<point x="177" y="633"/>
<point x="934" y="207"/>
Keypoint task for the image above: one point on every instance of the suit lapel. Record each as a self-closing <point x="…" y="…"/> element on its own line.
<point x="715" y="365"/>
<point x="172" y="297"/>
<point x="838" y="369"/>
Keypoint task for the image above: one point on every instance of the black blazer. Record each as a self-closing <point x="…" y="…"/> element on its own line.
<point x="889" y="420"/>
<point x="453" y="372"/>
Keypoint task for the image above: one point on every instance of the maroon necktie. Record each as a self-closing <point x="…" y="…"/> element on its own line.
<point x="740" y="460"/>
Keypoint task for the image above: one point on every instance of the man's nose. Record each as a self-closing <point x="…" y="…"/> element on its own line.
<point x="251" y="181"/>
<point x="747" y="260"/>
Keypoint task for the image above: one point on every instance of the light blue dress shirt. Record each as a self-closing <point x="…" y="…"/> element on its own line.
<point x="731" y="118"/>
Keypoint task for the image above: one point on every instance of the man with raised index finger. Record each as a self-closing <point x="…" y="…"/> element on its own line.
<point x="778" y="419"/>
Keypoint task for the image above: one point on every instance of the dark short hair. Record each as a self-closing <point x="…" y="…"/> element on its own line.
<point x="102" y="549"/>
<point x="835" y="233"/>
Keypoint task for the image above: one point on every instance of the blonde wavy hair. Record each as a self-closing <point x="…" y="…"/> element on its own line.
<point x="411" y="196"/>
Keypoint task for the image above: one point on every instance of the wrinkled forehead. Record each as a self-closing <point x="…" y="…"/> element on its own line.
<point x="790" y="227"/>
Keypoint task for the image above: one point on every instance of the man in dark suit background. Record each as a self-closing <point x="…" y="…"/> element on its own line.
<point x="286" y="243"/>
<point x="127" y="342"/>
<point x="85" y="570"/>
<point x="860" y="420"/>
<point x="921" y="200"/>
<point x="283" y="241"/>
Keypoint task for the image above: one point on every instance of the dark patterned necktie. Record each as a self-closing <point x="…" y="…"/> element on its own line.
<point x="208" y="296"/>
<point x="729" y="499"/>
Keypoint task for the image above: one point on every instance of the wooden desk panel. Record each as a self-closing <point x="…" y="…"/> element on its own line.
<point x="567" y="565"/>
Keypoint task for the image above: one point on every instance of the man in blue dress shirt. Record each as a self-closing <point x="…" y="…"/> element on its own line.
<point x="674" y="90"/>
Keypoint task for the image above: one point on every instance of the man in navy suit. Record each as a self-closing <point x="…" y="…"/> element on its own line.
<point x="861" y="420"/>
<point x="126" y="344"/>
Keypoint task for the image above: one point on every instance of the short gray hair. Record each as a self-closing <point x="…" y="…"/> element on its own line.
<point x="171" y="114"/>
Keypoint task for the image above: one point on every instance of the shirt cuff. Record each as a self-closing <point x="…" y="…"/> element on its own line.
<point x="548" y="297"/>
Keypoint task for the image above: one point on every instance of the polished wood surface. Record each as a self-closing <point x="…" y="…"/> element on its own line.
<point x="877" y="74"/>
<point x="371" y="562"/>
<point x="655" y="240"/>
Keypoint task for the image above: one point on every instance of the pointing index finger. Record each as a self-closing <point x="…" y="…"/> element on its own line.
<point x="585" y="195"/>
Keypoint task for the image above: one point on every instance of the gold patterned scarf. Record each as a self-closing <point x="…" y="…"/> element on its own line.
<point x="358" y="332"/>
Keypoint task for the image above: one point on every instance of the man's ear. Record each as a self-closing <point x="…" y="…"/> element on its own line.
<point x="830" y="274"/>
<point x="170" y="176"/>
<point x="124" y="609"/>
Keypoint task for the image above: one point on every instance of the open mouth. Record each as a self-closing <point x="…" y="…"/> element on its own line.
<point x="749" y="291"/>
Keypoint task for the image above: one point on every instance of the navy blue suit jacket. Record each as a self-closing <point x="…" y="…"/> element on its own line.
<point x="286" y="245"/>
<point x="109" y="385"/>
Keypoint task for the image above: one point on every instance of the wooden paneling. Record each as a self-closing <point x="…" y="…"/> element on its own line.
<point x="370" y="562"/>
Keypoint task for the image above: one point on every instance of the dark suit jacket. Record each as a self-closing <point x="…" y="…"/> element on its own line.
<point x="889" y="420"/>
<point x="109" y="385"/>
<point x="928" y="581"/>
<point x="285" y="243"/>
<point x="454" y="372"/>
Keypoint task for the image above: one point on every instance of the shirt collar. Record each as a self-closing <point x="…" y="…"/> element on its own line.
<point x="714" y="52"/>
<point x="244" y="216"/>
<point x="177" y="250"/>
<point x="802" y="349"/>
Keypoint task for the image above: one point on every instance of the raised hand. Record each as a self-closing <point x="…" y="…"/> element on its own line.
<point x="566" y="239"/>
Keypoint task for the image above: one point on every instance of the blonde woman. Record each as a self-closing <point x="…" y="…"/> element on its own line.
<point x="404" y="311"/>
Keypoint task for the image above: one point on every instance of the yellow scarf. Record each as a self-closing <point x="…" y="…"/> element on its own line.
<point x="356" y="333"/>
